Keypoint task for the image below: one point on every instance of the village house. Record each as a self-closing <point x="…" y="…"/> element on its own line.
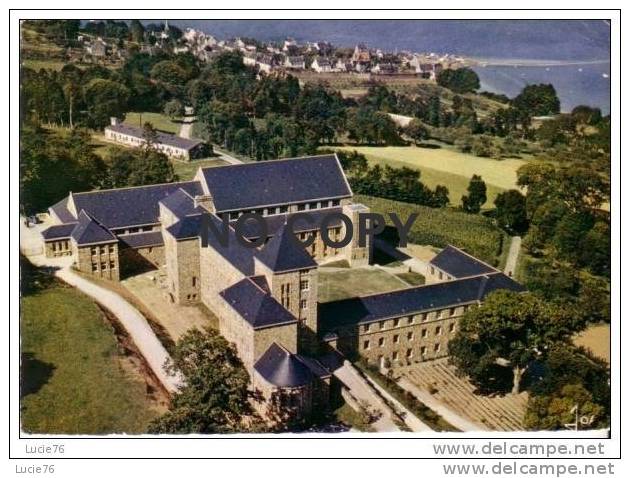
<point x="294" y="62"/>
<point x="265" y="63"/>
<point x="173" y="146"/>
<point x="321" y="65"/>
<point x="96" y="48"/>
<point x="266" y="298"/>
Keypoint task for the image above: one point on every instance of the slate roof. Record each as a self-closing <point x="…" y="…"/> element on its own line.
<point x="163" y="138"/>
<point x="282" y="181"/>
<point x="282" y="254"/>
<point x="89" y="231"/>
<point x="256" y="306"/>
<point x="180" y="203"/>
<point x="407" y="301"/>
<point x="116" y="208"/>
<point x="60" y="231"/>
<point x="62" y="212"/>
<point x="458" y="264"/>
<point x="145" y="239"/>
<point x="186" y="228"/>
<point x="281" y="368"/>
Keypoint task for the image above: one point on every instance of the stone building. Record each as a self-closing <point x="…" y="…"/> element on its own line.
<point x="173" y="146"/>
<point x="266" y="297"/>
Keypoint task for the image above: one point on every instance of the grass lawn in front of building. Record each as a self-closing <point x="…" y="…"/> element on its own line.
<point x="337" y="284"/>
<point x="75" y="379"/>
<point x="186" y="170"/>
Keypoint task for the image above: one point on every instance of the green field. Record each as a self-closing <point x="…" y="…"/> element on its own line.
<point x="73" y="380"/>
<point x="440" y="226"/>
<point x="186" y="170"/>
<point x="158" y="120"/>
<point x="447" y="166"/>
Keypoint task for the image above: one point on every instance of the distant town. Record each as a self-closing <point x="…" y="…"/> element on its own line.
<point x="287" y="55"/>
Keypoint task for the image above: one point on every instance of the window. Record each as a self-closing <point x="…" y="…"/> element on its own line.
<point x="381" y="325"/>
<point x="432" y="270"/>
<point x="424" y="333"/>
<point x="396" y="338"/>
<point x="410" y="320"/>
<point x="409" y="353"/>
<point x="381" y="342"/>
<point x="438" y="330"/>
<point x="366" y="344"/>
<point x="111" y="248"/>
<point x="301" y="207"/>
<point x="395" y="356"/>
<point x="451" y="328"/>
<point x="194" y="281"/>
<point x="409" y="336"/>
<point x="94" y="267"/>
<point x="366" y="328"/>
<point x="233" y="216"/>
<point x="423" y="351"/>
<point x="145" y="229"/>
<point x="313" y="205"/>
<point x="150" y="250"/>
<point x="103" y="265"/>
<point x="304" y="285"/>
<point x="396" y="322"/>
<point x="423" y="317"/>
<point x="437" y="347"/>
<point x="441" y="276"/>
<point x="112" y="265"/>
<point x="283" y="209"/>
<point x="336" y="202"/>
<point x="303" y="304"/>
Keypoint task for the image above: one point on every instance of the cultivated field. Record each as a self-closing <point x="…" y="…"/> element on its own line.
<point x="436" y="384"/>
<point x="447" y="166"/>
<point x="439" y="226"/>
<point x="596" y="338"/>
<point x="75" y="376"/>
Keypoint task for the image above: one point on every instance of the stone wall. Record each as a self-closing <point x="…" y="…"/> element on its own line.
<point x="100" y="260"/>
<point x="58" y="248"/>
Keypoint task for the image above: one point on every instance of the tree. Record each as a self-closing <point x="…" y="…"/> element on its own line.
<point x="476" y="197"/>
<point x="460" y="80"/>
<point x="416" y="131"/>
<point x="511" y="212"/>
<point x="512" y="330"/>
<point x="137" y="31"/>
<point x="215" y="395"/>
<point x="104" y="99"/>
<point x="174" y="109"/>
<point x="553" y="412"/>
<point x="538" y="100"/>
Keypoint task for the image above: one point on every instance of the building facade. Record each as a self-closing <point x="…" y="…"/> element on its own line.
<point x="266" y="297"/>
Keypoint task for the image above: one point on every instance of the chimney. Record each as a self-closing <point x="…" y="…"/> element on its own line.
<point x="113" y="120"/>
<point x="205" y="201"/>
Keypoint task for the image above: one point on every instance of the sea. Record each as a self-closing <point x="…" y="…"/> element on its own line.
<point x="573" y="55"/>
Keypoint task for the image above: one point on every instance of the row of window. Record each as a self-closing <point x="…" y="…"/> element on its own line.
<point x="104" y="266"/>
<point x="270" y="211"/>
<point x="61" y="246"/>
<point x="424" y="333"/>
<point x="442" y="314"/>
<point x="441" y="275"/>
<point x="103" y="249"/>
<point x="133" y="230"/>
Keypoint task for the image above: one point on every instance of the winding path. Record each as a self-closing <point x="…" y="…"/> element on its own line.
<point x="512" y="259"/>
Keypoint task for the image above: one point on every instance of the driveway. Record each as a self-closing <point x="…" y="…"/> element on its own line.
<point x="512" y="259"/>
<point x="134" y="322"/>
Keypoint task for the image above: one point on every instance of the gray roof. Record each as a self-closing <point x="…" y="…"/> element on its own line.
<point x="255" y="305"/>
<point x="88" y="231"/>
<point x="275" y="222"/>
<point x="163" y="138"/>
<point x="189" y="227"/>
<point x="458" y="264"/>
<point x="410" y="301"/>
<point x="281" y="368"/>
<point x="282" y="254"/>
<point x="181" y="204"/>
<point x="145" y="239"/>
<point x="59" y="231"/>
<point x="282" y="181"/>
<point x="117" y="208"/>
<point x="62" y="212"/>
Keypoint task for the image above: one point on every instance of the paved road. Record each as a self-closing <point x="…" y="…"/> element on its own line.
<point x="185" y="131"/>
<point x="510" y="263"/>
<point x="454" y="419"/>
<point x="363" y="392"/>
<point x="132" y="320"/>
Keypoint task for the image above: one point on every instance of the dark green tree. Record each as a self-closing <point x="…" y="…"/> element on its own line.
<point x="460" y="80"/>
<point x="511" y="211"/>
<point x="538" y="100"/>
<point x="476" y="197"/>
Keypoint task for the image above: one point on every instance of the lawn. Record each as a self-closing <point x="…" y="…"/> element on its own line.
<point x="441" y="226"/>
<point x="158" y="120"/>
<point x="596" y="338"/>
<point x="186" y="170"/>
<point x="345" y="283"/>
<point x="447" y="166"/>
<point x="74" y="380"/>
